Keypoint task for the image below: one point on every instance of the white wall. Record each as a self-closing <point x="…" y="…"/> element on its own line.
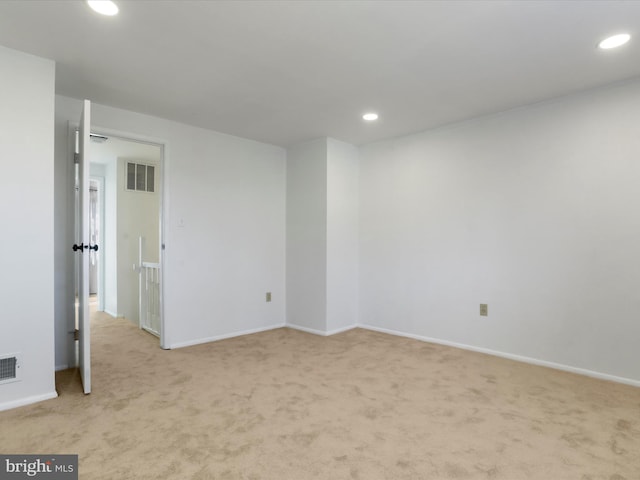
<point x="322" y="236"/>
<point x="138" y="215"/>
<point x="307" y="235"/>
<point x="534" y="211"/>
<point x="342" y="235"/>
<point x="64" y="238"/>
<point x="27" y="212"/>
<point x="224" y="225"/>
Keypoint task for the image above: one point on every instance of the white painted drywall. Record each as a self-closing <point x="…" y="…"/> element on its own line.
<point x="27" y="213"/>
<point x="322" y="236"/>
<point x="342" y="235"/>
<point x="224" y="225"/>
<point x="138" y="215"/>
<point x="534" y="211"/>
<point x="63" y="240"/>
<point x="307" y="235"/>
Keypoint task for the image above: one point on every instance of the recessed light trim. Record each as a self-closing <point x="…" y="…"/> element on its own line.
<point x="370" y="117"/>
<point x="104" y="7"/>
<point x="614" y="41"/>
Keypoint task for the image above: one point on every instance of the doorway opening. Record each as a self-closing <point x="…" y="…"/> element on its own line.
<point x="125" y="198"/>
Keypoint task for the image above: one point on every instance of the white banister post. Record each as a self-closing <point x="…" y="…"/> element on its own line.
<point x="141" y="296"/>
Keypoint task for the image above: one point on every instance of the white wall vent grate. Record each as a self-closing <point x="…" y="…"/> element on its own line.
<point x="140" y="177"/>
<point x="9" y="368"/>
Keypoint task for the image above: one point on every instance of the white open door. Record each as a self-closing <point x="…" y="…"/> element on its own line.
<point x="82" y="249"/>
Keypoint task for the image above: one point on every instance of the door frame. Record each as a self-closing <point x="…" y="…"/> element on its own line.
<point x="100" y="181"/>
<point x="163" y="145"/>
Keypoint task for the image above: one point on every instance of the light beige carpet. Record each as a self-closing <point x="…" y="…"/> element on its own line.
<point x="286" y="405"/>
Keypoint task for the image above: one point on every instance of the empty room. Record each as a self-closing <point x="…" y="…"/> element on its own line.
<point x="320" y="239"/>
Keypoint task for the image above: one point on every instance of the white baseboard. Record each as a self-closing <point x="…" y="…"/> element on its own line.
<point x="115" y="315"/>
<point x="62" y="367"/>
<point x="306" y="329"/>
<point x="27" y="401"/>
<point x="341" y="329"/>
<point x="199" y="341"/>
<point x="510" y="356"/>
<point x="320" y="332"/>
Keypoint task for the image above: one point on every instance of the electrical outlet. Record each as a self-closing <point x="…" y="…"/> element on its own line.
<point x="484" y="310"/>
<point x="268" y="296"/>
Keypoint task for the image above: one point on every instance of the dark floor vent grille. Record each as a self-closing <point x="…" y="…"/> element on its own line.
<point x="8" y="369"/>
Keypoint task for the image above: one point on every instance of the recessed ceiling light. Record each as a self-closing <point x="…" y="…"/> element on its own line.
<point x="105" y="7"/>
<point x="370" y="117"/>
<point x="614" y="41"/>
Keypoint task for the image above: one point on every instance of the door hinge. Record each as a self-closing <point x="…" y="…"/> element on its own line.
<point x="76" y="158"/>
<point x="76" y="334"/>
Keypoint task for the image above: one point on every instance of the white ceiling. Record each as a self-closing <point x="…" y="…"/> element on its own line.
<point x="283" y="72"/>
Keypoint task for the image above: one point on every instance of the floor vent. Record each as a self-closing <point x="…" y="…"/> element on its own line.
<point x="9" y="368"/>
